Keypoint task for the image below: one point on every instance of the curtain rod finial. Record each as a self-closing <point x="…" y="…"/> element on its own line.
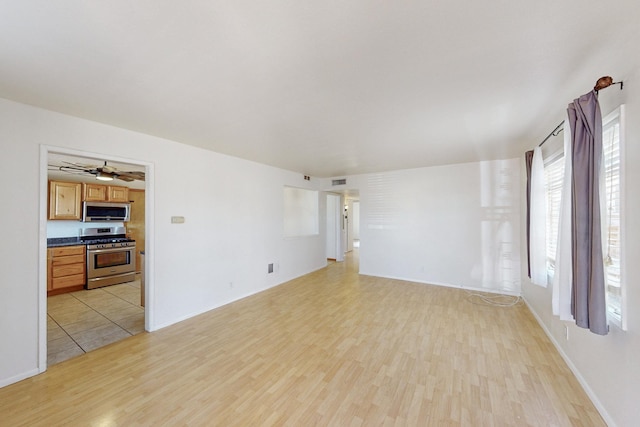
<point x="603" y="82"/>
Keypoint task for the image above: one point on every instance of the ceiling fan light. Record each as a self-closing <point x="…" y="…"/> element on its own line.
<point x="104" y="177"/>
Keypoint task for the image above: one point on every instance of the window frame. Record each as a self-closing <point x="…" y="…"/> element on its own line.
<point x="619" y="115"/>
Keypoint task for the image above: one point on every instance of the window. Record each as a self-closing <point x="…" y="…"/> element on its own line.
<point x="554" y="176"/>
<point x="612" y="240"/>
<point x="613" y="224"/>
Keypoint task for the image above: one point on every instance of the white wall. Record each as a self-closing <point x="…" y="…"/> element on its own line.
<point x="455" y="225"/>
<point x="608" y="366"/>
<point x="355" y="219"/>
<point x="233" y="229"/>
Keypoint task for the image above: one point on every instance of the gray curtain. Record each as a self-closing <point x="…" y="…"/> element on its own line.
<point x="528" y="160"/>
<point x="588" y="304"/>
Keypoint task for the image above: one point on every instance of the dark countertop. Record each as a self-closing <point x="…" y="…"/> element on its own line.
<point x="56" y="242"/>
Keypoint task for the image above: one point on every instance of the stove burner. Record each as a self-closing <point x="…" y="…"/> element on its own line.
<point x="115" y="236"/>
<point x="106" y="240"/>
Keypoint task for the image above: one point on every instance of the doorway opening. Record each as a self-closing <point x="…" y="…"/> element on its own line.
<point x="355" y="219"/>
<point x="352" y="221"/>
<point x="343" y="223"/>
<point x="75" y="318"/>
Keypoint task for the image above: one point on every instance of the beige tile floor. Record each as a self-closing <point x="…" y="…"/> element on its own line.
<point x="82" y="321"/>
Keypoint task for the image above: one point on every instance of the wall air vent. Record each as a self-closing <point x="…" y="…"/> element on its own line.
<point x="342" y="181"/>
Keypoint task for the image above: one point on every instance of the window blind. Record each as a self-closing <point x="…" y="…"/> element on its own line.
<point x="554" y="174"/>
<point x="611" y="240"/>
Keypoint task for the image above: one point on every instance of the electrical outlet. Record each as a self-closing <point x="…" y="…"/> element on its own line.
<point x="270" y="268"/>
<point x="230" y="285"/>
<point x="566" y="332"/>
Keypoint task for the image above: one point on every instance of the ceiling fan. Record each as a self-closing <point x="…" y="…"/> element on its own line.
<point x="104" y="172"/>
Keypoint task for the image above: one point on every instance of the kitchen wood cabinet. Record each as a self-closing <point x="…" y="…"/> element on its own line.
<point x="94" y="192"/>
<point x="117" y="194"/>
<point x="135" y="226"/>
<point x="65" y="200"/>
<point x="67" y="271"/>
<point x="104" y="193"/>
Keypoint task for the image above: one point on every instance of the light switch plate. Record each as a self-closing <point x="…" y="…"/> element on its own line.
<point x="177" y="220"/>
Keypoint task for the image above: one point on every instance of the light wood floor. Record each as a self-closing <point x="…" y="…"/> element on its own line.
<point x="330" y="348"/>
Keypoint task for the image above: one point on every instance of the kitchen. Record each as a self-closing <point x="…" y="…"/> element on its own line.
<point x="95" y="254"/>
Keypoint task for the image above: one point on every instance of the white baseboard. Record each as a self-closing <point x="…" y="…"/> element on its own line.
<point x="592" y="396"/>
<point x="158" y="326"/>
<point x="447" y="285"/>
<point x="6" y="381"/>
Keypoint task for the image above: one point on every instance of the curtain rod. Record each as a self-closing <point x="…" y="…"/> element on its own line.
<point x="602" y="83"/>
<point x="555" y="132"/>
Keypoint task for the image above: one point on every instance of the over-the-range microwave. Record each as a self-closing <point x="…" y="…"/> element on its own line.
<point x="105" y="211"/>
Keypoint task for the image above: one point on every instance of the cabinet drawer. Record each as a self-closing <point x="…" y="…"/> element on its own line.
<point x="66" y="281"/>
<point x="68" y="250"/>
<point x="67" y="270"/>
<point x="66" y="260"/>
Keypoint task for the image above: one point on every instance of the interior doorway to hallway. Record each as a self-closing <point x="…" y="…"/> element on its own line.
<point x="351" y="222"/>
<point x="343" y="223"/>
<point x="355" y="219"/>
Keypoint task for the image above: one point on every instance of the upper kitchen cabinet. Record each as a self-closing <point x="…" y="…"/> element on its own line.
<point x="94" y="192"/>
<point x="65" y="200"/>
<point x="105" y="193"/>
<point x="117" y="194"/>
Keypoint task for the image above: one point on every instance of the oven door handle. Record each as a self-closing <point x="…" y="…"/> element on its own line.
<point x="102" y="251"/>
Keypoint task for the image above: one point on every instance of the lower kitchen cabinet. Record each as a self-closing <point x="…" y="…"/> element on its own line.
<point x="67" y="270"/>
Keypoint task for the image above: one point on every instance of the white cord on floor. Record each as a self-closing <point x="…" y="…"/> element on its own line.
<point x="493" y="300"/>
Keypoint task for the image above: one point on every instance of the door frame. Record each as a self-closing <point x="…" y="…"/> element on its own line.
<point x="149" y="318"/>
<point x="336" y="233"/>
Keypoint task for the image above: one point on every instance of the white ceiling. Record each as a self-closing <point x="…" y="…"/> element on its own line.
<point x="325" y="88"/>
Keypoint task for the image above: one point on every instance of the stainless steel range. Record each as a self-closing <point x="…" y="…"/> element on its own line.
<point x="111" y="256"/>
